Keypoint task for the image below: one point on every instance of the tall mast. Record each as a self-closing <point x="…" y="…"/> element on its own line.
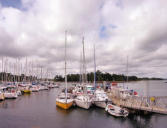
<point x="2" y="70"/>
<point x="21" y="72"/>
<point x="26" y="71"/>
<point x="84" y="67"/>
<point x="65" y="64"/>
<point x="127" y="70"/>
<point x="6" y="64"/>
<point x="16" y="71"/>
<point x="94" y="67"/>
<point x="80" y="75"/>
<point x="41" y="73"/>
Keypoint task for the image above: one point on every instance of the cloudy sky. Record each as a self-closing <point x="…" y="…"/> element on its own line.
<point x="118" y="28"/>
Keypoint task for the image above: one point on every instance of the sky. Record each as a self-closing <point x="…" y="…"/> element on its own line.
<point x="119" y="28"/>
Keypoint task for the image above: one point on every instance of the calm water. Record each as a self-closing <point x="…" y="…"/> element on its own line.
<point x="39" y="110"/>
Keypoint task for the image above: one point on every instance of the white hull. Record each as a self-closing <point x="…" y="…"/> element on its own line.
<point x="43" y="88"/>
<point x="19" y="93"/>
<point x="34" y="89"/>
<point x="117" y="114"/>
<point x="64" y="100"/>
<point x="100" y="98"/>
<point x="116" y="111"/>
<point x="2" y="96"/>
<point x="101" y="104"/>
<point x="83" y="104"/>
<point x="10" y="95"/>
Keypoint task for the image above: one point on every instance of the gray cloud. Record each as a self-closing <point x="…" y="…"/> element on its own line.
<point x="37" y="31"/>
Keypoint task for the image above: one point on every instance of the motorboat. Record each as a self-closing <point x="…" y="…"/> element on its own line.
<point x="55" y="86"/>
<point x="34" y="88"/>
<point x="50" y="86"/>
<point x="10" y="93"/>
<point x="43" y="87"/>
<point x="116" y="111"/>
<point x="25" y="89"/>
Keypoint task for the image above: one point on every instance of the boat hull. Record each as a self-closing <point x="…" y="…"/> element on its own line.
<point x="83" y="104"/>
<point x="101" y="104"/>
<point x="10" y="95"/>
<point x="2" y="97"/>
<point x="116" y="111"/>
<point x="64" y="105"/>
<point x="117" y="114"/>
<point x="26" y="91"/>
<point x="19" y="93"/>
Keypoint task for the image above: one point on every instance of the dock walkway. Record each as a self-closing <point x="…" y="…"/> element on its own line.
<point x="159" y="105"/>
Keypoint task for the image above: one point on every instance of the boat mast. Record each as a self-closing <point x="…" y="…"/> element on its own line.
<point x="84" y="67"/>
<point x="65" y="65"/>
<point x="26" y="71"/>
<point x="41" y="73"/>
<point x="2" y="70"/>
<point x="127" y="71"/>
<point x="80" y="75"/>
<point x="6" y="64"/>
<point x="94" y="67"/>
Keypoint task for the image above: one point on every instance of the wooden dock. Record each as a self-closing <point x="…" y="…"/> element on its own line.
<point x="159" y="105"/>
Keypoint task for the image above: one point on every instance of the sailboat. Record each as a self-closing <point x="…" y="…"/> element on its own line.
<point x="84" y="100"/>
<point x="64" y="101"/>
<point x="100" y="98"/>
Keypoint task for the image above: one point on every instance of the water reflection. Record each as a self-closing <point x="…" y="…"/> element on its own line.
<point x="63" y="111"/>
<point x="140" y="121"/>
<point x="10" y="103"/>
<point x="26" y="95"/>
<point x="3" y="104"/>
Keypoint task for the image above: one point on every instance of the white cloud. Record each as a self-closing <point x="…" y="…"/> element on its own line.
<point x="135" y="28"/>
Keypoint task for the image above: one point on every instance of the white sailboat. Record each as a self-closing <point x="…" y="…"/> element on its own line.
<point x="64" y="102"/>
<point x="84" y="100"/>
<point x="100" y="97"/>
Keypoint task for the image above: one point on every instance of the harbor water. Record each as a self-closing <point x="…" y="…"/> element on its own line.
<point x="39" y="110"/>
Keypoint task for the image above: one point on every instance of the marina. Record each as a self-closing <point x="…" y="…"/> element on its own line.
<point x="83" y="64"/>
<point x="38" y="109"/>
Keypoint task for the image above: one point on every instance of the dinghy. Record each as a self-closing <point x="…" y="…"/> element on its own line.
<point x="116" y="111"/>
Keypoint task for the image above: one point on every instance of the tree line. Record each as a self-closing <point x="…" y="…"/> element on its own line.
<point x="100" y="76"/>
<point x="13" y="78"/>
